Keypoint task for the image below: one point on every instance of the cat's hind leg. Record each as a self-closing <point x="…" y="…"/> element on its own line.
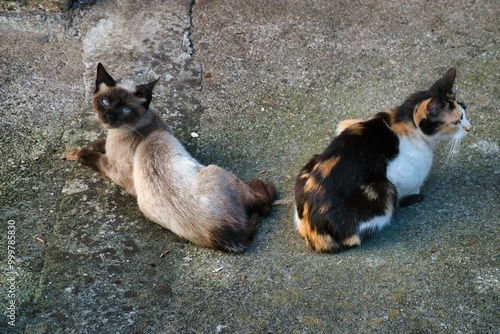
<point x="318" y="242"/>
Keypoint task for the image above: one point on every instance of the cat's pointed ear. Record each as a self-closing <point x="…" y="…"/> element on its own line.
<point x="103" y="77"/>
<point x="445" y="83"/>
<point x="146" y="91"/>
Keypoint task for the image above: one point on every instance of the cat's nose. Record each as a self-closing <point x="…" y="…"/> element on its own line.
<point x="467" y="127"/>
<point x="109" y="118"/>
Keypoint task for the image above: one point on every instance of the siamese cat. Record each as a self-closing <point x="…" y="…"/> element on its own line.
<point x="206" y="205"/>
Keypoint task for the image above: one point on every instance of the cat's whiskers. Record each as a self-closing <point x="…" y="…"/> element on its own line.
<point x="454" y="148"/>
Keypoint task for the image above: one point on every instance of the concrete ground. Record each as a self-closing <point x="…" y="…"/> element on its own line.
<point x="263" y="84"/>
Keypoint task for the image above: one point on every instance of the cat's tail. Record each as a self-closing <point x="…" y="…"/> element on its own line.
<point x="264" y="195"/>
<point x="236" y="237"/>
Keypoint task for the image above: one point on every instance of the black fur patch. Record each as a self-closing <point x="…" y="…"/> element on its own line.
<point x="103" y="77"/>
<point x="363" y="154"/>
<point x="429" y="127"/>
<point x="404" y="113"/>
<point x="146" y="92"/>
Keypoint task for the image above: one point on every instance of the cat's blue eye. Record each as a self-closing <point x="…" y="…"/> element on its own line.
<point x="105" y="102"/>
<point x="125" y="110"/>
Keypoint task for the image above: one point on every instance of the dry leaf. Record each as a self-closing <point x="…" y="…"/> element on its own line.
<point x="40" y="240"/>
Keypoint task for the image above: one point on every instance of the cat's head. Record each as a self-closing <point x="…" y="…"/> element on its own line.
<point x="118" y="105"/>
<point x="438" y="114"/>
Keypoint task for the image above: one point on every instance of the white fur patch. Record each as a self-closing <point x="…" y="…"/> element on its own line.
<point x="296" y="216"/>
<point x="411" y="167"/>
<point x="376" y="223"/>
<point x="370" y="193"/>
<point x="464" y="122"/>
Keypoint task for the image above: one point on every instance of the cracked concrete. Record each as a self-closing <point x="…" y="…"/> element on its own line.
<point x="263" y="90"/>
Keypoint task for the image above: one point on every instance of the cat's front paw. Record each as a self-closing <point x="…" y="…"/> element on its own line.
<point x="85" y="156"/>
<point x="410" y="200"/>
<point x="89" y="157"/>
<point x="71" y="155"/>
<point x="99" y="145"/>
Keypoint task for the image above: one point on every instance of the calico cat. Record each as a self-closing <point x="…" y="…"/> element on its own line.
<point x="371" y="167"/>
<point x="203" y="204"/>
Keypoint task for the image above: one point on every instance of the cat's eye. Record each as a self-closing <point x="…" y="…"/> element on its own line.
<point x="125" y="110"/>
<point x="105" y="102"/>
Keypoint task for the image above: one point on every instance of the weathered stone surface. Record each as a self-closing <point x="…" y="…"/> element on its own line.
<point x="263" y="84"/>
<point x="46" y="5"/>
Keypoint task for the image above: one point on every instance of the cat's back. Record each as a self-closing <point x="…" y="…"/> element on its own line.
<point x="355" y="160"/>
<point x="362" y="149"/>
<point x="161" y="158"/>
<point x="177" y="192"/>
<point x="343" y="194"/>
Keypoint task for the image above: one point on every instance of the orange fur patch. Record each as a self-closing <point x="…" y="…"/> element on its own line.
<point x="421" y="112"/>
<point x="447" y="129"/>
<point x="314" y="240"/>
<point x="452" y="116"/>
<point x="320" y="242"/>
<point x="352" y="241"/>
<point x="305" y="175"/>
<point x="324" y="209"/>
<point x="356" y="129"/>
<point x="312" y="186"/>
<point x="400" y="129"/>
<point x="303" y="223"/>
<point x="325" y="167"/>
<point x="345" y="124"/>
